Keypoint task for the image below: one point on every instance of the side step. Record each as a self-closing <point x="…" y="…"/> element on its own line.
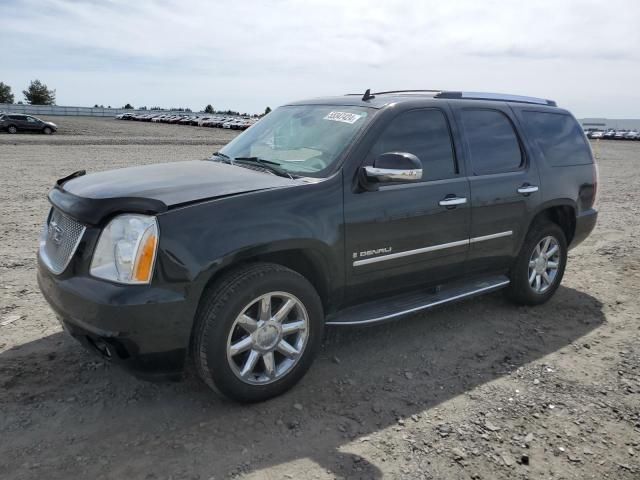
<point x="405" y="303"/>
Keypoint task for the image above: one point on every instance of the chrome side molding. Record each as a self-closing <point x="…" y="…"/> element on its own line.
<point x="431" y="248"/>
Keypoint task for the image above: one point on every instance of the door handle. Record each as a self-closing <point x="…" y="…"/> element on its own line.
<point x="526" y="189"/>
<point x="452" y="201"/>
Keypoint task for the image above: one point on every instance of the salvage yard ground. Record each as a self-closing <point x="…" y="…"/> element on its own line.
<point x="479" y="390"/>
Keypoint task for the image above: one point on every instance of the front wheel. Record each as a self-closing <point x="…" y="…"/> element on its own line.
<point x="47" y="131"/>
<point x="258" y="332"/>
<point x="538" y="270"/>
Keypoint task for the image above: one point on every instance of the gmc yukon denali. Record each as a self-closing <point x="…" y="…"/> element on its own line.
<point x="348" y="210"/>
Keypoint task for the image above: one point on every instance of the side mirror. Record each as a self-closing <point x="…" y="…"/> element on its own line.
<point x="394" y="167"/>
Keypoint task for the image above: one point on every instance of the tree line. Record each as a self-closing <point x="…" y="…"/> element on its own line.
<point x="37" y="93"/>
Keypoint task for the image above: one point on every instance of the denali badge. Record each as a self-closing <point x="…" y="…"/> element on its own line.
<point x="368" y="253"/>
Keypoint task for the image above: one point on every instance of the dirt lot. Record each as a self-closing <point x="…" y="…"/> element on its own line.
<point x="479" y="390"/>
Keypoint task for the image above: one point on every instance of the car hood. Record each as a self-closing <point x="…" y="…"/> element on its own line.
<point x="174" y="183"/>
<point x="51" y="124"/>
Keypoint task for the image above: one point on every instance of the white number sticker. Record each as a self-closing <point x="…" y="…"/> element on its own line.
<point x="345" y="117"/>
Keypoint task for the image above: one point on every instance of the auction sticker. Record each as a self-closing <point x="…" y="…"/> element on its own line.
<point x="345" y="117"/>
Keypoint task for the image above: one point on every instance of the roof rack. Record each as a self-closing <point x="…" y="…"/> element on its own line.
<point x="408" y="91"/>
<point x="504" y="97"/>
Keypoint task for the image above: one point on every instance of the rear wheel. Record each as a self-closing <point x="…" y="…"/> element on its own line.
<point x="537" y="272"/>
<point x="258" y="332"/>
<point x="12" y="129"/>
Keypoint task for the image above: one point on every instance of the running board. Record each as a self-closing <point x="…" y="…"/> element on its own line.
<point x="407" y="303"/>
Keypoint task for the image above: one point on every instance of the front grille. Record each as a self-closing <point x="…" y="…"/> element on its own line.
<point x="61" y="238"/>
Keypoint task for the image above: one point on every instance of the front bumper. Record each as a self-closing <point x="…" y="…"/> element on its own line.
<point x="143" y="328"/>
<point x="585" y="223"/>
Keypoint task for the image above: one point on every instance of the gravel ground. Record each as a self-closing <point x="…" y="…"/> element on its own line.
<point x="477" y="390"/>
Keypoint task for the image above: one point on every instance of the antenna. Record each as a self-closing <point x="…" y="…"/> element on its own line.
<point x="367" y="95"/>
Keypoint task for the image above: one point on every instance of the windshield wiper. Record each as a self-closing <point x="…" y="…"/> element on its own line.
<point x="226" y="158"/>
<point x="266" y="164"/>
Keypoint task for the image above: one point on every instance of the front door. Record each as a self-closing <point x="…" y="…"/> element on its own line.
<point x="32" y="124"/>
<point x="408" y="234"/>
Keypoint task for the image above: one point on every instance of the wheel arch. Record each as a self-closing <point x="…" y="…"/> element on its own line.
<point x="562" y="212"/>
<point x="308" y="261"/>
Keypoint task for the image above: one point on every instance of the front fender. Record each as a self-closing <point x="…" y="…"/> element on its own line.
<point x="200" y="241"/>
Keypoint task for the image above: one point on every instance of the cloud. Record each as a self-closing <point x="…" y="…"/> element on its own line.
<point x="248" y="54"/>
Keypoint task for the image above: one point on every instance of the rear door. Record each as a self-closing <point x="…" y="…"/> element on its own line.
<point x="504" y="185"/>
<point x="20" y="121"/>
<point x="405" y="234"/>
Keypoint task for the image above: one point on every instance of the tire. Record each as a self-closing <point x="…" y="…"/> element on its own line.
<point x="244" y="291"/>
<point x="527" y="266"/>
<point x="12" y="129"/>
<point x="47" y="131"/>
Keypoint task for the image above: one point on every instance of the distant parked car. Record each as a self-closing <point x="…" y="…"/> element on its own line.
<point x="202" y="120"/>
<point x="176" y="118"/>
<point x="596" y="135"/>
<point x="632" y="135"/>
<point x="189" y="121"/>
<point x="14" y="123"/>
<point x="619" y="134"/>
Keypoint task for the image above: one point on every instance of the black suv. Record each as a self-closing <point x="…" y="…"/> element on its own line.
<point x="14" y="123"/>
<point x="347" y="210"/>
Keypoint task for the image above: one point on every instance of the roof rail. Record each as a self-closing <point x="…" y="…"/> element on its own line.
<point x="505" y="97"/>
<point x="408" y="91"/>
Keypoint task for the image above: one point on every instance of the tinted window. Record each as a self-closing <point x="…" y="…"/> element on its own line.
<point x="16" y="117"/>
<point x="559" y="137"/>
<point x="492" y="141"/>
<point x="424" y="133"/>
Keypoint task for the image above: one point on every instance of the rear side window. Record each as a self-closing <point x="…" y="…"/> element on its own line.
<point x="492" y="141"/>
<point x="424" y="133"/>
<point x="16" y="117"/>
<point x="559" y="137"/>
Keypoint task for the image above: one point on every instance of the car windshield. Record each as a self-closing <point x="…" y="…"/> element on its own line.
<point x="302" y="140"/>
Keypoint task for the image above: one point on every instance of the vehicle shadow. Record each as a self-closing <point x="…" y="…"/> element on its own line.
<point x="65" y="411"/>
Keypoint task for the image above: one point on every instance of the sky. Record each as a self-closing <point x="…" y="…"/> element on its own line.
<point x="246" y="55"/>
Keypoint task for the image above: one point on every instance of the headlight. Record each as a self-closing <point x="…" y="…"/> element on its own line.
<point x="126" y="250"/>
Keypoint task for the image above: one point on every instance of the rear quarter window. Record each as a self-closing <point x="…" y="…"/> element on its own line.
<point x="559" y="137"/>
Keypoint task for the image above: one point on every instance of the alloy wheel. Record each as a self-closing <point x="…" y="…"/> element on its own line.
<point x="268" y="338"/>
<point x="543" y="264"/>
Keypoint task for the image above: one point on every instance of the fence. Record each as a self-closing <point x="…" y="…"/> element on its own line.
<point x="73" y="111"/>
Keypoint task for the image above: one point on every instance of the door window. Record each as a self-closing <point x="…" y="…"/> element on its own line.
<point x="424" y="133"/>
<point x="493" y="144"/>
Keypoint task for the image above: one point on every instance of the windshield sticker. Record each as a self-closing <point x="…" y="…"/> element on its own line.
<point x="345" y="117"/>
